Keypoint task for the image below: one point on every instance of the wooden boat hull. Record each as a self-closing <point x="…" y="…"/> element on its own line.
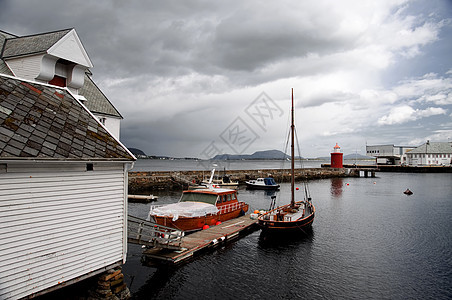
<point x="262" y="187"/>
<point x="283" y="226"/>
<point x="188" y="224"/>
<point x="286" y="226"/>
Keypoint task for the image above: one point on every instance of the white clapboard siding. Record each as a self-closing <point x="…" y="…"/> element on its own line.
<point x="56" y="226"/>
<point x="26" y="67"/>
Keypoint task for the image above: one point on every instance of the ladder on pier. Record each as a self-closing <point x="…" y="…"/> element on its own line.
<point x="143" y="232"/>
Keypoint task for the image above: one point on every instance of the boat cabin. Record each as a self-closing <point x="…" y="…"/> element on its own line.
<point x="198" y="208"/>
<point x="267" y="181"/>
<point x="214" y="197"/>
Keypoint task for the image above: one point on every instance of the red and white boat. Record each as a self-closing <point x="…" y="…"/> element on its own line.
<point x="198" y="208"/>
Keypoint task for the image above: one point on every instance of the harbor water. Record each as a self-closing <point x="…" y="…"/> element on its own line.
<point x="369" y="241"/>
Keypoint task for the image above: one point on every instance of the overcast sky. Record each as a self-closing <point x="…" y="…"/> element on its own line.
<point x="200" y="78"/>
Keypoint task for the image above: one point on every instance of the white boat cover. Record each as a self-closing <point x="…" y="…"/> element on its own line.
<point x="184" y="209"/>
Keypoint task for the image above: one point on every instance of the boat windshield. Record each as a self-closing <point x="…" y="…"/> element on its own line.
<point x="269" y="181"/>
<point x="198" y="197"/>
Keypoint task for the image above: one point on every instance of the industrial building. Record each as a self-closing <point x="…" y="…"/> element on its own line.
<point x="388" y="154"/>
<point x="427" y="154"/>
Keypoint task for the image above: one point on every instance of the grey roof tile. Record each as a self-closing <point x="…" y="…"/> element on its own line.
<point x="433" y="148"/>
<point x="10" y="150"/>
<point x="20" y="138"/>
<point x="97" y="102"/>
<point x="49" y="127"/>
<point x="3" y="67"/>
<point x="30" y="152"/>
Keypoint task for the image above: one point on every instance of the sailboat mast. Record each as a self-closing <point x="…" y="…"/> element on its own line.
<point x="292" y="154"/>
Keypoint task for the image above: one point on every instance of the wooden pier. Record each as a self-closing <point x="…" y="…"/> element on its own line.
<point x="197" y="242"/>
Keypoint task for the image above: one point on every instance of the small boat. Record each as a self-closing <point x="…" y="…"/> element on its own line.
<point x="198" y="209"/>
<point x="267" y="183"/>
<point x="408" y="192"/>
<point x="296" y="216"/>
<point x="222" y="182"/>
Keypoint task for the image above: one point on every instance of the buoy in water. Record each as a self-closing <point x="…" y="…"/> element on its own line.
<point x="256" y="211"/>
<point x="218" y="223"/>
<point x="297" y="189"/>
<point x="205" y="227"/>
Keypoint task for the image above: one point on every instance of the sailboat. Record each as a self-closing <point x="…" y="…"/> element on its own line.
<point x="295" y="216"/>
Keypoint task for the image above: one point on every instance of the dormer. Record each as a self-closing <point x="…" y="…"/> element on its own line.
<point x="57" y="58"/>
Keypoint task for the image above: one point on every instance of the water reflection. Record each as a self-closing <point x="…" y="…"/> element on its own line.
<point x="285" y="239"/>
<point x="336" y="187"/>
<point x="157" y="284"/>
<point x="268" y="193"/>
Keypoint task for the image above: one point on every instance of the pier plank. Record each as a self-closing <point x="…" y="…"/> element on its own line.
<point x="202" y="240"/>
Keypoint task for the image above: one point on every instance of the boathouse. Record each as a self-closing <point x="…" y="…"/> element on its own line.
<point x="63" y="190"/>
<point x="58" y="58"/>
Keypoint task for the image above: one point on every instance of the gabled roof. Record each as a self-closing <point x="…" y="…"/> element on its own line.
<point x="42" y="43"/>
<point x="39" y="121"/>
<point x="63" y="44"/>
<point x="32" y="44"/>
<point x="97" y="101"/>
<point x="433" y="148"/>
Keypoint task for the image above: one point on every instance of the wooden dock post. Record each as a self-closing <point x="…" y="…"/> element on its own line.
<point x="110" y="285"/>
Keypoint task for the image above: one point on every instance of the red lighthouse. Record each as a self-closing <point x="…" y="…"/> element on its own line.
<point x="336" y="157"/>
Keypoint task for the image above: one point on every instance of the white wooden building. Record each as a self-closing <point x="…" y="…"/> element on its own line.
<point x="58" y="58"/>
<point x="388" y="154"/>
<point x="431" y="154"/>
<point x="63" y="190"/>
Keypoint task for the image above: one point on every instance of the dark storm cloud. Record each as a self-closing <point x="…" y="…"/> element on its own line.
<point x="181" y="71"/>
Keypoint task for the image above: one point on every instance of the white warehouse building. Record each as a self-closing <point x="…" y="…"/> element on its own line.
<point x="431" y="153"/>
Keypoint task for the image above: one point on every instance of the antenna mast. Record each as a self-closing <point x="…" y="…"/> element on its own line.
<point x="292" y="154"/>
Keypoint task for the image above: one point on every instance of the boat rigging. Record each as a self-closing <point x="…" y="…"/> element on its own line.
<point x="297" y="215"/>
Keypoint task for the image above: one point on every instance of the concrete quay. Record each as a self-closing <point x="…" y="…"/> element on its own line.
<point x="140" y="182"/>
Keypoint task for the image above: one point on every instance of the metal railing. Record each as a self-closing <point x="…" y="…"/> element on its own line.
<point x="147" y="233"/>
<point x="230" y="207"/>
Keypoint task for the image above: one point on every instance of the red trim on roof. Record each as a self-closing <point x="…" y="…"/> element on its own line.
<point x="31" y="88"/>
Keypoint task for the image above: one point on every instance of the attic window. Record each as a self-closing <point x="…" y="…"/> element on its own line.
<point x="89" y="167"/>
<point x="58" y="81"/>
<point x="102" y="120"/>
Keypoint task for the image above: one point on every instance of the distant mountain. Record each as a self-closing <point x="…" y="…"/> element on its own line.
<point x="269" y="154"/>
<point x="356" y="156"/>
<point x="137" y="152"/>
